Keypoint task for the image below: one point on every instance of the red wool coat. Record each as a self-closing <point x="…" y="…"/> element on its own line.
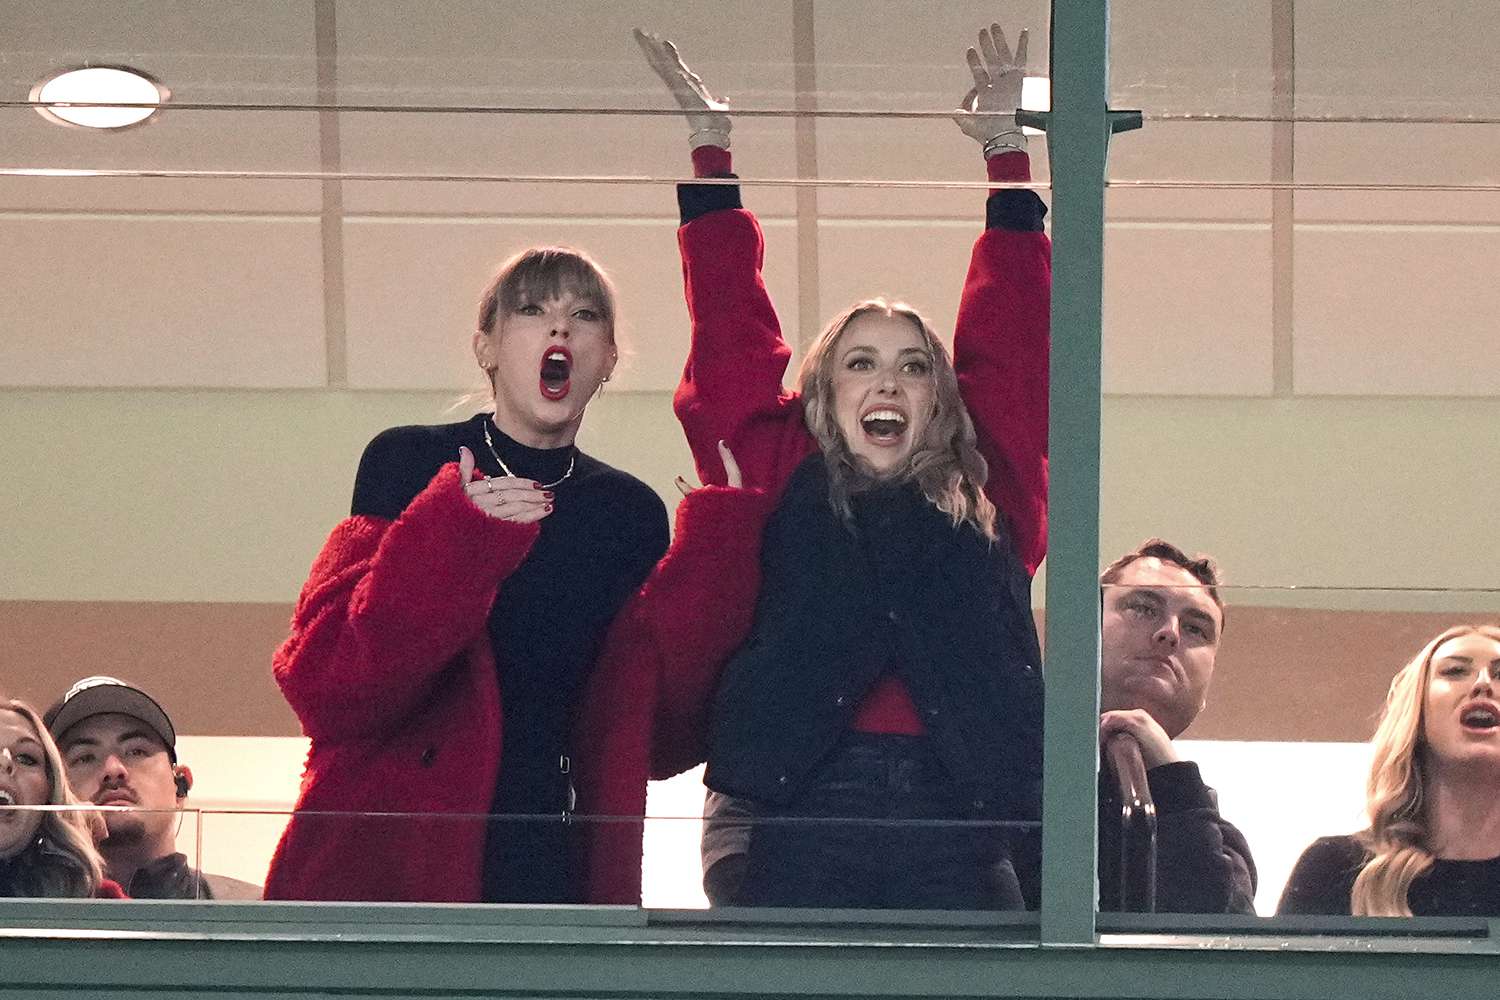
<point x="390" y="670"/>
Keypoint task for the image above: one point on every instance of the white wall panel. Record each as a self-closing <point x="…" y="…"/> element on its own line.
<point x="1389" y="57"/>
<point x="1415" y="155"/>
<point x="235" y="53"/>
<point x="922" y="263"/>
<point x="1199" y="57"/>
<point x="547" y="55"/>
<point x="907" y="56"/>
<point x="634" y="149"/>
<point x="1397" y="309"/>
<point x="1187" y="309"/>
<point x="154" y="300"/>
<point x="412" y="286"/>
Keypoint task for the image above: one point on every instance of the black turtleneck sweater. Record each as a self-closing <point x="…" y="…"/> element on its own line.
<point x="605" y="533"/>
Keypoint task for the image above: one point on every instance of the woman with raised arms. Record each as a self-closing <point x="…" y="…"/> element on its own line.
<point x="891" y="671"/>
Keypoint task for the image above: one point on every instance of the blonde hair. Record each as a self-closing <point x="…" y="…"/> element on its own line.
<point x="62" y="861"/>
<point x="945" y="464"/>
<point x="1396" y="794"/>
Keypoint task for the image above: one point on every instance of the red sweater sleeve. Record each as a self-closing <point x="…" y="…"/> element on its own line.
<point x="1001" y="353"/>
<point x="731" y="388"/>
<point x="697" y="609"/>
<point x="388" y="605"/>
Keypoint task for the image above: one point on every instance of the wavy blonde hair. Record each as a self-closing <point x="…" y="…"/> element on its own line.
<point x="1396" y="794"/>
<point x="62" y="861"/>
<point x="945" y="464"/>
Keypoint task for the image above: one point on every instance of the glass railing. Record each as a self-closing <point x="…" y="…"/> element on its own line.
<point x="212" y="314"/>
<point x="1276" y="694"/>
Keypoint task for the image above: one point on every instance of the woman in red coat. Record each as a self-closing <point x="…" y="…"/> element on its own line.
<point x="890" y="679"/>
<point x="445" y="652"/>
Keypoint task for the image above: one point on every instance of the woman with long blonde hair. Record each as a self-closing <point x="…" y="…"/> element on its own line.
<point x="43" y="853"/>
<point x="888" y="685"/>
<point x="1433" y="844"/>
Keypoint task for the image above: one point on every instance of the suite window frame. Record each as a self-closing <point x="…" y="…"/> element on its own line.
<point x="1068" y="938"/>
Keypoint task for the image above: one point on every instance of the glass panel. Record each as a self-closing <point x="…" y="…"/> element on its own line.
<point x="87" y="851"/>
<point x="661" y="862"/>
<point x="1358" y="82"/>
<point x="527" y="89"/>
<point x="219" y="308"/>
<point x="1284" y="733"/>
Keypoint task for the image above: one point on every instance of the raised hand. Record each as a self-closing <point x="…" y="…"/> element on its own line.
<point x="732" y="477"/>
<point x="987" y="112"/>
<point x="507" y="498"/>
<point x="707" y="115"/>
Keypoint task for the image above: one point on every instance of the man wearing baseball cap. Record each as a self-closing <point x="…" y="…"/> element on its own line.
<point x="121" y="750"/>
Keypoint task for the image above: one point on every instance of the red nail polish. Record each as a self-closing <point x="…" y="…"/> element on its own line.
<point x="548" y="494"/>
<point x="548" y="508"/>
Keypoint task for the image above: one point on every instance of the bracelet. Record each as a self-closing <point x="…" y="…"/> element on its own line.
<point x="711" y="137"/>
<point x="1003" y="142"/>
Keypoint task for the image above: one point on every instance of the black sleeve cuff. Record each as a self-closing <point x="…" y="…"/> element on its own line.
<point x="1178" y="787"/>
<point x="697" y="200"/>
<point x="1015" y="209"/>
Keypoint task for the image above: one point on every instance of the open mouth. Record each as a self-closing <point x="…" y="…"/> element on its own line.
<point x="557" y="369"/>
<point x="884" y="426"/>
<point x="1480" y="718"/>
<point x="7" y="799"/>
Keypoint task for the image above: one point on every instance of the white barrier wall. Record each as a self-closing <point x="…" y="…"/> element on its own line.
<point x="1282" y="795"/>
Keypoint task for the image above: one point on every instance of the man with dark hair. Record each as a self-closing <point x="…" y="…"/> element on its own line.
<point x="1161" y="622"/>
<point x="1162" y="619"/>
<point x="120" y="749"/>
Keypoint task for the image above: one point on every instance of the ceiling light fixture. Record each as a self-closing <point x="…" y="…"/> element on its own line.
<point x="57" y="97"/>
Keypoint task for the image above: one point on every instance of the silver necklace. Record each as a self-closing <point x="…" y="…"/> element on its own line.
<point x="490" y="443"/>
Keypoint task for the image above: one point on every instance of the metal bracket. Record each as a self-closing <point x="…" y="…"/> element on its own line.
<point x="1119" y="121"/>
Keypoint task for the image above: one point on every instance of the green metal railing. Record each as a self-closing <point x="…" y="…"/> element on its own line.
<point x="79" y="948"/>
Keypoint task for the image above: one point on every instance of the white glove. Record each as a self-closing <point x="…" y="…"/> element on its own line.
<point x="987" y="113"/>
<point x="707" y="115"/>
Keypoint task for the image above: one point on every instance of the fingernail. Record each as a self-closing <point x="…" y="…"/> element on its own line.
<point x="548" y="494"/>
<point x="548" y="508"/>
<point x="536" y="485"/>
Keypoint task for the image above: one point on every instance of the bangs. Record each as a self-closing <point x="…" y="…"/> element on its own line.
<point x="545" y="274"/>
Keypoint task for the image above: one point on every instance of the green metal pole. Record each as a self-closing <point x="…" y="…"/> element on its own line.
<point x="1077" y="139"/>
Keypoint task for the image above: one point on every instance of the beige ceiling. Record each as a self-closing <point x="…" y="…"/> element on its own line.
<point x="273" y="272"/>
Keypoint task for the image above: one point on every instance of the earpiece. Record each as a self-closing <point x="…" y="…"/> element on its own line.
<point x="183" y="779"/>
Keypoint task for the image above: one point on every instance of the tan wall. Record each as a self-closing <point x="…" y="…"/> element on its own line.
<point x="189" y="367"/>
<point x="175" y="561"/>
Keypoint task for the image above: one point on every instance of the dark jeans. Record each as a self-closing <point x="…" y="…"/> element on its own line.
<point x="893" y="862"/>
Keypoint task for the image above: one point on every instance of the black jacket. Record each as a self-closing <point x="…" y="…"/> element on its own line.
<point x="1203" y="862"/>
<point x="840" y="603"/>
